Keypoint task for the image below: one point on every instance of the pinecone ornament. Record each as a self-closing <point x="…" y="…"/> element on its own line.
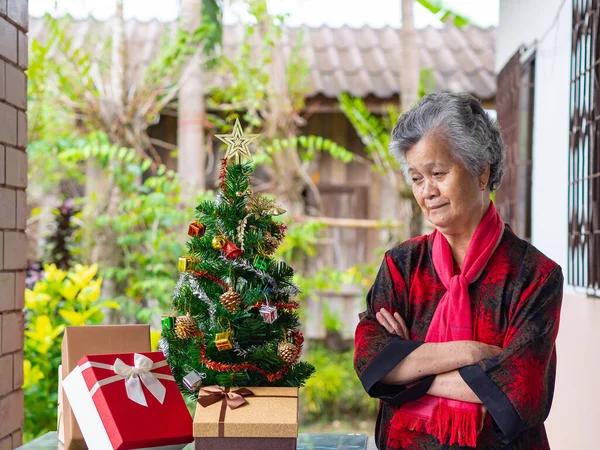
<point x="271" y="243"/>
<point x="186" y="327"/>
<point x="288" y="352"/>
<point x="231" y="300"/>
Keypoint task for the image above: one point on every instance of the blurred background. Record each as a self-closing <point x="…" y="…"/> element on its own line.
<point x="124" y="98"/>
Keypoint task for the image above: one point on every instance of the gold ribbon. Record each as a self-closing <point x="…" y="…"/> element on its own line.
<point x="231" y="399"/>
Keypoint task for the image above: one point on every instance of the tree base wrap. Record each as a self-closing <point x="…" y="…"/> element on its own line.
<point x="269" y="412"/>
<point x="128" y="401"/>
<point x="450" y="421"/>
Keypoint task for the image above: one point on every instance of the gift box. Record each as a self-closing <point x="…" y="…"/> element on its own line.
<point x="246" y="419"/>
<point x="128" y="401"/>
<point x="89" y="340"/>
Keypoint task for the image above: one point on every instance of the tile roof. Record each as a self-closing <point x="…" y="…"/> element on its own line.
<point x="360" y="61"/>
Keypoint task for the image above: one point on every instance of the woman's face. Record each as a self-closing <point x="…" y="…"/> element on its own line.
<point x="451" y="199"/>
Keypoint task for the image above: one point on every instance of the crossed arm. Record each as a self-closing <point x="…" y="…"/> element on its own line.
<point x="440" y="359"/>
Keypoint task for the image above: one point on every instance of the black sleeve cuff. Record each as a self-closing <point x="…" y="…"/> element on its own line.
<point x="394" y="352"/>
<point x="507" y="422"/>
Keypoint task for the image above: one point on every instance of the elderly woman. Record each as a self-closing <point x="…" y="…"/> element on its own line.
<point x="458" y="337"/>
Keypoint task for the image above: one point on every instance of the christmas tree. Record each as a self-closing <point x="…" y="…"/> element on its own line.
<point x="236" y="322"/>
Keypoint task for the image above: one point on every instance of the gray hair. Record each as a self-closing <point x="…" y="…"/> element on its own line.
<point x="460" y="120"/>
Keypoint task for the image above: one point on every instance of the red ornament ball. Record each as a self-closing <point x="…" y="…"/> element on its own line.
<point x="231" y="250"/>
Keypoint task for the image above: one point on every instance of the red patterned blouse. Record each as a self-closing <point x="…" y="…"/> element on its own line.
<point x="516" y="305"/>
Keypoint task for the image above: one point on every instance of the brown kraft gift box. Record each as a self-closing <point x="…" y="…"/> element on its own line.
<point x="269" y="421"/>
<point x="93" y="340"/>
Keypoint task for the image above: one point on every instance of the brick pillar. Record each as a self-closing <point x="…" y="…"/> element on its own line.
<point x="13" y="181"/>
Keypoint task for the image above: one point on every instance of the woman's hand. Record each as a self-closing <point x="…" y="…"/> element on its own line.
<point x="393" y="323"/>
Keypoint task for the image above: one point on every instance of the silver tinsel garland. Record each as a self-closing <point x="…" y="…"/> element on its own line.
<point x="289" y="289"/>
<point x="243" y="353"/>
<point x="198" y="293"/>
<point x="163" y="346"/>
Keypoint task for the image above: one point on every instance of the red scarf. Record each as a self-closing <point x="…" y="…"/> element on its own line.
<point x="452" y="421"/>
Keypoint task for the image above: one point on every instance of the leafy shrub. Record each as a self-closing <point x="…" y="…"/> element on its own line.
<point x="60" y="243"/>
<point x="135" y="229"/>
<point x="59" y="299"/>
<point x="334" y="392"/>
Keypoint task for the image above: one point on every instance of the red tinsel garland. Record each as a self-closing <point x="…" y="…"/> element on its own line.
<point x="223" y="367"/>
<point x="291" y="305"/>
<point x="207" y="274"/>
<point x="222" y="172"/>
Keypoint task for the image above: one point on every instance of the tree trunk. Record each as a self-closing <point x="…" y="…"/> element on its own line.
<point x="278" y="123"/>
<point x="409" y="88"/>
<point x="106" y="250"/>
<point x="191" y="161"/>
<point x="409" y="75"/>
<point x="119" y="62"/>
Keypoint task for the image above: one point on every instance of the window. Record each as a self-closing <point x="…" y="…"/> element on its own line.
<point x="514" y="104"/>
<point x="583" y="269"/>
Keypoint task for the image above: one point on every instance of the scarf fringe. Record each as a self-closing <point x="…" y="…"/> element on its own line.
<point x="449" y="425"/>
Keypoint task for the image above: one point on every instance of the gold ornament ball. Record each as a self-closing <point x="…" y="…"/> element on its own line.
<point x="239" y="194"/>
<point x="287" y="352"/>
<point x="231" y="300"/>
<point x="186" y="327"/>
<point x="219" y="242"/>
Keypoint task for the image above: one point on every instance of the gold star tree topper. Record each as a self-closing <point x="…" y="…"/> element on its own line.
<point x="237" y="142"/>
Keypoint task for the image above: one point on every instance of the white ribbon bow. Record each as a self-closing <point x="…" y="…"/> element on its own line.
<point x="135" y="376"/>
<point x="140" y="373"/>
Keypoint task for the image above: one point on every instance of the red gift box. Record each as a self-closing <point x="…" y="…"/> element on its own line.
<point x="128" y="401"/>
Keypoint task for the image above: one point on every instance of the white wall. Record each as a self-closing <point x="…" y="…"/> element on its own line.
<point x="574" y="421"/>
<point x="575" y="416"/>
<point x="522" y="22"/>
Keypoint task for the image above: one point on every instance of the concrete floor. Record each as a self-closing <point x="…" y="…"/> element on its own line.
<point x="574" y="421"/>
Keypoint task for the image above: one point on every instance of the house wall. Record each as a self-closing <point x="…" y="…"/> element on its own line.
<point x="522" y="22"/>
<point x="573" y="420"/>
<point x="348" y="190"/>
<point x="13" y="181"/>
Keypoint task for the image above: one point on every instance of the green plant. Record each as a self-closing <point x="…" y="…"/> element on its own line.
<point x="332" y="320"/>
<point x="305" y="146"/>
<point x="302" y="239"/>
<point x="268" y="90"/>
<point x="443" y="13"/>
<point x="375" y="133"/>
<point x="82" y="90"/>
<point x="60" y="244"/>
<point x="142" y="216"/>
<point x="59" y="299"/>
<point x="334" y="392"/>
<point x="328" y="279"/>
